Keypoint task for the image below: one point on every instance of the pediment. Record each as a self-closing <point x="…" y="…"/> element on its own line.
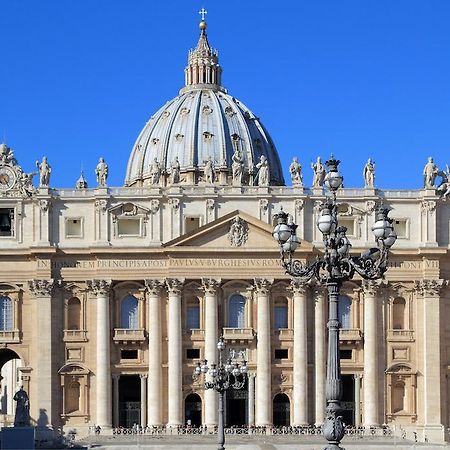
<point x="128" y="209"/>
<point x="234" y="231"/>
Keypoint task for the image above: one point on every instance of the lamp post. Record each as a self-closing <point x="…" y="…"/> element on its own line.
<point x="223" y="377"/>
<point x="331" y="269"/>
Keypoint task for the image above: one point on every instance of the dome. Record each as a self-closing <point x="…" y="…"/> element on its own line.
<point x="203" y="130"/>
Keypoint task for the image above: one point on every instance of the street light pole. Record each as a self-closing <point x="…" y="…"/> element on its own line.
<point x="224" y="376"/>
<point x="331" y="269"/>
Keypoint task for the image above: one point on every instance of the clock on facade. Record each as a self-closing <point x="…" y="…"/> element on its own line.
<point x="7" y="178"/>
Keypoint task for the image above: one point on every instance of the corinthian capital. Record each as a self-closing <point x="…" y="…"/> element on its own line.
<point x="210" y="285"/>
<point x="298" y="287"/>
<point x="372" y="287"/>
<point x="430" y="288"/>
<point x="99" y="287"/>
<point x="262" y="285"/>
<point x="174" y="285"/>
<point x="41" y="288"/>
<point x="153" y="287"/>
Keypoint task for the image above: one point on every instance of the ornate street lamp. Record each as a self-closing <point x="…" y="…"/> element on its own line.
<point x="223" y="377"/>
<point x="333" y="268"/>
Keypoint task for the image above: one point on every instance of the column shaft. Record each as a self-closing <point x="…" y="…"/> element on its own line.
<point x="251" y="400"/>
<point x="319" y="356"/>
<point x="143" y="400"/>
<point x="264" y="382"/>
<point x="300" y="381"/>
<point x="115" y="380"/>
<point x="357" y="400"/>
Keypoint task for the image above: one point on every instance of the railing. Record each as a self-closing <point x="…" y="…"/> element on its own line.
<point x="75" y="336"/>
<point x="284" y="334"/>
<point x="238" y="334"/>
<point x="400" y="335"/>
<point x="127" y="335"/>
<point x="350" y="334"/>
<point x="9" y="337"/>
<point x="196" y="334"/>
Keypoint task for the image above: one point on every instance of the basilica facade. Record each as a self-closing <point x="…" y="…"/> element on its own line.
<point x="110" y="296"/>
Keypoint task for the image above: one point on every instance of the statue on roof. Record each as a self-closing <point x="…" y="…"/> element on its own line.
<point x="6" y="154"/>
<point x="175" y="171"/>
<point x="319" y="173"/>
<point x="263" y="171"/>
<point x="369" y="174"/>
<point x="101" y="172"/>
<point x="295" y="169"/>
<point x="44" y="172"/>
<point x="209" y="171"/>
<point x="430" y="172"/>
<point x="155" y="172"/>
<point x="237" y="166"/>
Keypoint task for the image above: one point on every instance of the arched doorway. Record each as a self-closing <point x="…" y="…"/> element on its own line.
<point x="11" y="380"/>
<point x="193" y="410"/>
<point x="281" y="410"/>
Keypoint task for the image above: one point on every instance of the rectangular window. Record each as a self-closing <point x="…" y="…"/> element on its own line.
<point x="281" y="353"/>
<point x="193" y="317"/>
<point x="128" y="227"/>
<point x="345" y="354"/>
<point x="192" y="353"/>
<point x="74" y="228"/>
<point x="280" y="317"/>
<point x="401" y="228"/>
<point x="191" y="224"/>
<point x="6" y="221"/>
<point x="128" y="354"/>
<point x="349" y="223"/>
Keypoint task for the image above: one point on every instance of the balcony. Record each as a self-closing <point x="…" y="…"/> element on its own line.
<point x="75" y="335"/>
<point x="350" y="336"/>
<point x="400" y="335"/>
<point x="283" y="334"/>
<point x="238" y="334"/>
<point x="9" y="337"/>
<point x="129" y="336"/>
<point x="195" y="334"/>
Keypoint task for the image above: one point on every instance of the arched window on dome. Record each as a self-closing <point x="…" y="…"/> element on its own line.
<point x="6" y="313"/>
<point x="129" y="313"/>
<point x="344" y="311"/>
<point x="74" y="314"/>
<point x="398" y="313"/>
<point x="236" y="311"/>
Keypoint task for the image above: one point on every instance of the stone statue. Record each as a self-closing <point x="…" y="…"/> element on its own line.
<point x="6" y="154"/>
<point x="295" y="170"/>
<point x="444" y="186"/>
<point x="22" y="417"/>
<point x="208" y="171"/>
<point x="430" y="172"/>
<point x="319" y="173"/>
<point x="101" y="172"/>
<point x="237" y="167"/>
<point x="369" y="174"/>
<point x="263" y="171"/>
<point x="238" y="233"/>
<point x="44" y="172"/>
<point x="155" y="172"/>
<point x="175" y="171"/>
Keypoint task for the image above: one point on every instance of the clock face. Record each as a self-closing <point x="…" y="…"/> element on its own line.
<point x="7" y="178"/>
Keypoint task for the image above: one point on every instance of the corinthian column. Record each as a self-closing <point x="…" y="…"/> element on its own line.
<point x="154" y="390"/>
<point x="101" y="289"/>
<point x="300" y="382"/>
<point x="175" y="418"/>
<point x="370" y="387"/>
<point x="263" y="368"/>
<point x="42" y="291"/>
<point x="431" y="364"/>
<point x="319" y="355"/>
<point x="210" y="287"/>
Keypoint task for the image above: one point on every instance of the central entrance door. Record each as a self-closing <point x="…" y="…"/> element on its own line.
<point x="236" y="406"/>
<point x="348" y="399"/>
<point x="129" y="401"/>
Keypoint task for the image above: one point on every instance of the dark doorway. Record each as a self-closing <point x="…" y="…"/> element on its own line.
<point x="11" y="381"/>
<point x="193" y="410"/>
<point x="281" y="410"/>
<point x="348" y="399"/>
<point x="236" y="406"/>
<point x="129" y="401"/>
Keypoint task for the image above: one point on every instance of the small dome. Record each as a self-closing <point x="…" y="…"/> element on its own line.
<point x="203" y="123"/>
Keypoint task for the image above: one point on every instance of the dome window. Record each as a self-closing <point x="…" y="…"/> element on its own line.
<point x="179" y="137"/>
<point x="207" y="136"/>
<point x="207" y="110"/>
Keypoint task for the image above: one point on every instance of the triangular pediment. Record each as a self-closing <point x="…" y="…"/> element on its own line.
<point x="236" y="230"/>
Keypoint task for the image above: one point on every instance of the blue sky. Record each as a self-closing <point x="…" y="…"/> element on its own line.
<point x="360" y="79"/>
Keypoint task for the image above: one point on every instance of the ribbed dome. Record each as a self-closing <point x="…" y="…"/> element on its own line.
<point x="203" y="123"/>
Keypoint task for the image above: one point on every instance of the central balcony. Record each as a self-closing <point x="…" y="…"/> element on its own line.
<point x="350" y="336"/>
<point x="238" y="334"/>
<point x="129" y="336"/>
<point x="9" y="337"/>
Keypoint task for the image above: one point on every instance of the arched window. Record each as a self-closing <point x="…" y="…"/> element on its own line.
<point x="236" y="311"/>
<point x="6" y="314"/>
<point x="73" y="397"/>
<point x="193" y="314"/>
<point x="280" y="314"/>
<point x="398" y="397"/>
<point x="281" y="410"/>
<point x="398" y="313"/>
<point x="74" y="314"/>
<point x="193" y="410"/>
<point x="129" y="313"/>
<point x="344" y="311"/>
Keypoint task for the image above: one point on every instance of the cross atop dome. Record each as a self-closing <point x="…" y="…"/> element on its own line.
<point x="203" y="13"/>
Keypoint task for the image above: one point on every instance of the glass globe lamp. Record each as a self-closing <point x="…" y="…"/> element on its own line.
<point x="221" y="344"/>
<point x="325" y="221"/>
